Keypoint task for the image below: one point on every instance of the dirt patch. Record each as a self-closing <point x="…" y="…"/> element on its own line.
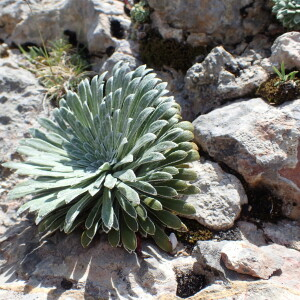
<point x="282" y="92"/>
<point x="157" y="52"/>
<point x="188" y="283"/>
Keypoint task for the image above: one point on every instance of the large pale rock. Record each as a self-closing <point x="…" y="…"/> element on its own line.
<point x="259" y="141"/>
<point x="100" y="271"/>
<point x="208" y="263"/>
<point x="93" y="21"/>
<point x="290" y="270"/>
<point x="285" y="232"/>
<point x="286" y="48"/>
<point x="249" y="259"/>
<point x="221" y="77"/>
<point x="226" y="284"/>
<point x="11" y="13"/>
<point x="21" y="100"/>
<point x="244" y="290"/>
<point x="126" y="52"/>
<point x="209" y="21"/>
<point x="251" y="233"/>
<point x="220" y="199"/>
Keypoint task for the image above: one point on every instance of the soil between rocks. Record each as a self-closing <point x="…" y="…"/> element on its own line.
<point x="282" y="92"/>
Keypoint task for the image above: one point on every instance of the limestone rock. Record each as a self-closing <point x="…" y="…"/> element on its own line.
<point x="259" y="141"/>
<point x="244" y="290"/>
<point x="246" y="258"/>
<point x="208" y="263"/>
<point x="97" y="24"/>
<point x="285" y="232"/>
<point x="228" y="284"/>
<point x="20" y="101"/>
<point x="251" y="233"/>
<point x="221" y="195"/>
<point x="99" y="271"/>
<point x="11" y="13"/>
<point x="290" y="269"/>
<point x="221" y="77"/>
<point x="126" y="52"/>
<point x="286" y="48"/>
<point x="209" y="21"/>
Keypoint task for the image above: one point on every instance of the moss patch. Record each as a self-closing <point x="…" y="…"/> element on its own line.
<point x="196" y="232"/>
<point x="157" y="52"/>
<point x="286" y="91"/>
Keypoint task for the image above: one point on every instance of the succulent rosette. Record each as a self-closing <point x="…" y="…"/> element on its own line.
<point x="115" y="158"/>
<point x="288" y="13"/>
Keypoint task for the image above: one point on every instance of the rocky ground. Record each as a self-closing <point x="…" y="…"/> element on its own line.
<point x="249" y="207"/>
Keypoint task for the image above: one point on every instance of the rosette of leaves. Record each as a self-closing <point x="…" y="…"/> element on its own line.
<point x="114" y="159"/>
<point x="140" y="12"/>
<point x="288" y="13"/>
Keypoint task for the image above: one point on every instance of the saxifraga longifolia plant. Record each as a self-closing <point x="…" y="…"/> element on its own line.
<point x="115" y="159"/>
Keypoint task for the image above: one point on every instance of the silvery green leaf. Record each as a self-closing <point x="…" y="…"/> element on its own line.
<point x="175" y="157"/>
<point x="157" y="176"/>
<point x="171" y="170"/>
<point x="157" y="125"/>
<point x="186" y="174"/>
<point x="85" y="239"/>
<point x="178" y="206"/>
<point x="129" y="193"/>
<point x="143" y="142"/>
<point x="92" y="231"/>
<point x="147" y="225"/>
<point x="185" y="136"/>
<point x="43" y="146"/>
<point x="162" y="240"/>
<point x="127" y="159"/>
<point x="177" y="184"/>
<point x="51" y="126"/>
<point x="34" y="204"/>
<point x="93" y="214"/>
<point x="168" y="219"/>
<point x="166" y="191"/>
<point x="128" y="237"/>
<point x="162" y="146"/>
<point x="125" y="175"/>
<point x="74" y="211"/>
<point x="126" y="205"/>
<point x="190" y="190"/>
<point x="153" y="203"/>
<point x="48" y="207"/>
<point x="114" y="237"/>
<point x="147" y="159"/>
<point x="131" y="222"/>
<point x="107" y="212"/>
<point x="191" y="156"/>
<point x="141" y="211"/>
<point x="143" y="187"/>
<point x="110" y="181"/>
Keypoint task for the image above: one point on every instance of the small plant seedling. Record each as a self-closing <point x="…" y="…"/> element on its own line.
<point x="59" y="68"/>
<point x="283" y="76"/>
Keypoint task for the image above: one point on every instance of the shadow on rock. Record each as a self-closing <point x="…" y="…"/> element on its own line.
<point x="59" y="265"/>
